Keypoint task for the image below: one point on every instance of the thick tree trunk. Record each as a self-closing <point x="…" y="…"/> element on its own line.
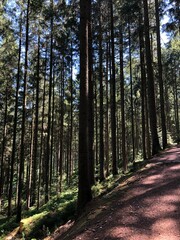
<point x="151" y="95"/>
<point x="84" y="188"/>
<point x="61" y="148"/>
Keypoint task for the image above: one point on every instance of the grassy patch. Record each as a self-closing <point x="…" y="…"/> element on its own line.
<point x="105" y="186"/>
<point x="37" y="224"/>
<point x="40" y="223"/>
<point x="44" y="226"/>
<point x="56" y="212"/>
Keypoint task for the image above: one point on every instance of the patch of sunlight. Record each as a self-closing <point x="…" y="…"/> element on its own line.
<point x="12" y="234"/>
<point x="166" y="227"/>
<point x="27" y="224"/>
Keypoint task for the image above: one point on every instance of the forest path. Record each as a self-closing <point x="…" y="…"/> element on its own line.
<point x="144" y="207"/>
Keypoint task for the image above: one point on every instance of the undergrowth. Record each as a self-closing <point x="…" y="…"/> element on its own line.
<point x="37" y="224"/>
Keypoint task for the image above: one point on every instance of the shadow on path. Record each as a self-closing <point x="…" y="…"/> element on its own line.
<point x="147" y="209"/>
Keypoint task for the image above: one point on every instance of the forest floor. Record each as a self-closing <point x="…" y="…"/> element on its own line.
<point x="145" y="206"/>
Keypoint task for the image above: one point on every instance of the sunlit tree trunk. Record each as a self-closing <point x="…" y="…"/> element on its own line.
<point x="151" y="95"/>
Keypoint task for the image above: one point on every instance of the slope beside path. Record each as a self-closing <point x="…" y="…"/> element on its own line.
<point x="145" y="207"/>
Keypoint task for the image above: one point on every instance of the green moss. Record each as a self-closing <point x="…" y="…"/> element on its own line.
<point x="43" y="226"/>
<point x="40" y="223"/>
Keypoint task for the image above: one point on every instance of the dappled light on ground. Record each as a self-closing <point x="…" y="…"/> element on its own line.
<point x="149" y="208"/>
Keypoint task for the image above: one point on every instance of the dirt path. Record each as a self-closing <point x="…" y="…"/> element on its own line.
<point x="147" y="207"/>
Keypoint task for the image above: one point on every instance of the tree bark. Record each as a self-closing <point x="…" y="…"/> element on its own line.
<point x="161" y="87"/>
<point x="143" y="85"/>
<point x="15" y="123"/>
<point x="23" y="128"/>
<point x="101" y="147"/>
<point x="91" y="100"/>
<point x="124" y="156"/>
<point x="113" y="96"/>
<point x="151" y="95"/>
<point x="48" y="148"/>
<point x="35" y="152"/>
<point x="4" y="140"/>
<point x="132" y="105"/>
<point x="84" y="188"/>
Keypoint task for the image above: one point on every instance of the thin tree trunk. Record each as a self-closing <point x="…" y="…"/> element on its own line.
<point x="48" y="148"/>
<point x="101" y="147"/>
<point x="176" y="107"/>
<point x="30" y="162"/>
<point x="62" y="127"/>
<point x="148" y="139"/>
<point x="15" y="124"/>
<point x="161" y="87"/>
<point x="107" y="114"/>
<point x="113" y="96"/>
<point x="124" y="156"/>
<point x="96" y="124"/>
<point x="35" y="149"/>
<point x="71" y="115"/>
<point x="42" y="132"/>
<point x="4" y="139"/>
<point x="51" y="172"/>
<point x="131" y="83"/>
<point x="23" y="128"/>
